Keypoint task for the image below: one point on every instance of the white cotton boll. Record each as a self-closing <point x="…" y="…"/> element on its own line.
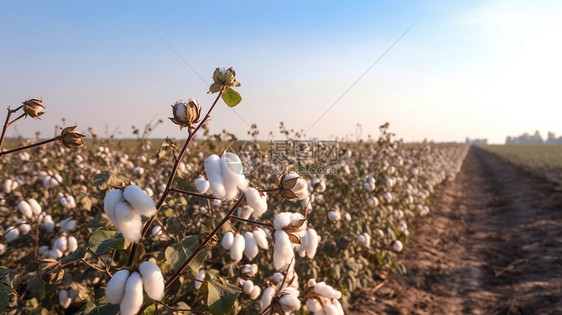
<point x="59" y="253"/>
<point x="2" y="248"/>
<point x="312" y="243"/>
<point x="139" y="200"/>
<point x="111" y="199"/>
<point x="64" y="299"/>
<point x="7" y="186"/>
<point x="157" y="230"/>
<point x="25" y="209"/>
<point x="71" y="202"/>
<point x="267" y="297"/>
<point x="23" y="227"/>
<point x="282" y="220"/>
<point x="290" y="302"/>
<point x="161" y="187"/>
<point x="261" y="238"/>
<point x="237" y="249"/>
<point x="299" y="249"/>
<point x="387" y="196"/>
<point x="213" y="169"/>
<point x="67" y="225"/>
<point x="53" y="254"/>
<point x="339" y="307"/>
<point x="43" y="250"/>
<point x="256" y="201"/>
<point x="152" y="280"/>
<point x="138" y="171"/>
<point x="129" y="222"/>
<point x="251" y="249"/>
<point x="325" y="290"/>
<point x="424" y="211"/>
<point x="49" y="225"/>
<point x="149" y="192"/>
<point x="35" y="207"/>
<point x="72" y="243"/>
<point x="277" y="278"/>
<point x="60" y="243"/>
<point x="372" y="202"/>
<point x="314" y="306"/>
<point x="232" y="174"/>
<point x="245" y="211"/>
<point x="347" y="216"/>
<point x="254" y="268"/>
<point x="227" y="240"/>
<point x="202" y="185"/>
<point x="200" y="276"/>
<point x="11" y="234"/>
<point x="334" y="215"/>
<point x="255" y="292"/>
<point x="331" y="309"/>
<point x="247" y="287"/>
<point x="283" y="250"/>
<point x="397" y="246"/>
<point x="133" y="298"/>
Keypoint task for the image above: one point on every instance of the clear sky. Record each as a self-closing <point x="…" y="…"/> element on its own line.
<point x="474" y="68"/>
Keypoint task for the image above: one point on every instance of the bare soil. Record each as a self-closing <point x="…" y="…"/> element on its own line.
<point x="493" y="245"/>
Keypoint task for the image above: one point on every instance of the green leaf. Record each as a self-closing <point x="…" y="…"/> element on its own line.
<point x="221" y="297"/>
<point x="5" y="287"/>
<point x="103" y="241"/>
<point x="177" y="254"/>
<point x="231" y="97"/>
<point x="36" y="287"/>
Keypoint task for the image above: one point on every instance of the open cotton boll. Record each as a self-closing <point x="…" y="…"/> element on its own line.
<point x="213" y="169"/>
<point x="72" y="243"/>
<point x="315" y="306"/>
<point x="255" y="292"/>
<point x="267" y="297"/>
<point x="282" y="220"/>
<point x="11" y="234"/>
<point x="43" y="250"/>
<point x="261" y="239"/>
<point x="245" y="212"/>
<point x="256" y="201"/>
<point x="200" y="277"/>
<point x="25" y="209"/>
<point x="156" y="230"/>
<point x="247" y="287"/>
<point x="290" y="302"/>
<point x="111" y="199"/>
<point x="232" y="174"/>
<point x="397" y="246"/>
<point x="325" y="290"/>
<point x="152" y="280"/>
<point x="312" y="243"/>
<point x="339" y="307"/>
<point x="237" y="249"/>
<point x="53" y="254"/>
<point x="283" y="250"/>
<point x="277" y="278"/>
<point x="64" y="299"/>
<point x="331" y="309"/>
<point x="133" y="298"/>
<point x="202" y="185"/>
<point x="48" y="223"/>
<point x="67" y="224"/>
<point x="227" y="240"/>
<point x="35" y="207"/>
<point x="251" y="249"/>
<point x="23" y="227"/>
<point x="129" y="222"/>
<point x="334" y="215"/>
<point x="139" y="200"/>
<point x="60" y="243"/>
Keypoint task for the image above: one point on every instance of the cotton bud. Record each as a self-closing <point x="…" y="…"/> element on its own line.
<point x="227" y="240"/>
<point x="232" y="174"/>
<point x="397" y="246"/>
<point x="70" y="138"/>
<point x="72" y="244"/>
<point x="23" y="227"/>
<point x="267" y="297"/>
<point x="25" y="209"/>
<point x="139" y="201"/>
<point x="202" y="185"/>
<point x="129" y="222"/>
<point x="133" y="297"/>
<point x="223" y="78"/>
<point x="33" y="108"/>
<point x="64" y="299"/>
<point x="186" y="113"/>
<point x="251" y="249"/>
<point x="35" y="207"/>
<point x="237" y="249"/>
<point x="261" y="238"/>
<point x="293" y="187"/>
<point x="334" y="215"/>
<point x="213" y="169"/>
<point x="11" y="234"/>
<point x="283" y="251"/>
<point x="257" y="200"/>
<point x="152" y="280"/>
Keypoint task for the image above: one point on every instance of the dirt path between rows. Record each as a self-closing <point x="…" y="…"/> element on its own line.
<point x="492" y="246"/>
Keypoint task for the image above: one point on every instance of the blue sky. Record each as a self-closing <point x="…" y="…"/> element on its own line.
<point x="476" y="68"/>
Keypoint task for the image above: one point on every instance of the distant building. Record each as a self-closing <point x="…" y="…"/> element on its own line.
<point x="475" y="141"/>
<point x="536" y="138"/>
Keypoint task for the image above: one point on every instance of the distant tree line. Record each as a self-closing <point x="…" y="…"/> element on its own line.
<point x="536" y="138"/>
<point x="475" y="141"/>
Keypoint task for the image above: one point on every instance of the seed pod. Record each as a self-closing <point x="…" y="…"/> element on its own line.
<point x="72" y="243"/>
<point x="133" y="298"/>
<point x="227" y="240"/>
<point x="35" y="207"/>
<point x="213" y="169"/>
<point x="257" y="200"/>
<point x="261" y="239"/>
<point x="232" y="174"/>
<point x="129" y="222"/>
<point x="267" y="297"/>
<point x="237" y="249"/>
<point x="152" y="280"/>
<point x="202" y="185"/>
<point x="139" y="200"/>
<point x="110" y="201"/>
<point x="25" y="209"/>
<point x="251" y="249"/>
<point x="283" y="251"/>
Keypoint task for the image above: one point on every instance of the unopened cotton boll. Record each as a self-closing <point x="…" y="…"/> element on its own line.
<point x="237" y="249"/>
<point x="213" y="169"/>
<point x="227" y="240"/>
<point x="35" y="207"/>
<point x="152" y="280"/>
<point x="11" y="234"/>
<point x="397" y="246"/>
<point x="25" y="209"/>
<point x="133" y="298"/>
<point x="232" y="172"/>
<point x="202" y="185"/>
<point x="261" y="238"/>
<point x="64" y="299"/>
<point x="139" y="200"/>
<point x="251" y="249"/>
<point x="334" y="215"/>
<point x="129" y="222"/>
<point x="111" y="200"/>
<point x="255" y="200"/>
<point x="283" y="250"/>
<point x="200" y="277"/>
